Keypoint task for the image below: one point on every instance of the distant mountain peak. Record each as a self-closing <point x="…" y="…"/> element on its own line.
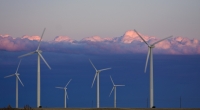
<point x="131" y="36"/>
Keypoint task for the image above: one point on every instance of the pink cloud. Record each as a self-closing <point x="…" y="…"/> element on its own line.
<point x="6" y="35"/>
<point x="129" y="43"/>
<point x="96" y="39"/>
<point x="31" y="37"/>
<point x="163" y="45"/>
<point x="63" y="39"/>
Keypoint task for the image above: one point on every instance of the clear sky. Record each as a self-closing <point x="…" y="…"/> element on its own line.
<point x="79" y="19"/>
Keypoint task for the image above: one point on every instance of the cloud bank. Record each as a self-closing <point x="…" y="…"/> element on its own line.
<point x="129" y="43"/>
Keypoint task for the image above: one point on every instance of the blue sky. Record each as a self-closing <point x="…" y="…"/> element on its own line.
<point x="103" y="32"/>
<point x="79" y="19"/>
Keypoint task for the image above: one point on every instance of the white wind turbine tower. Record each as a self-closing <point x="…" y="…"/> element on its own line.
<point x="65" y="93"/>
<point x="97" y="77"/>
<point x="17" y="78"/>
<point x="150" y="54"/>
<point x="38" y="52"/>
<point x="115" y="94"/>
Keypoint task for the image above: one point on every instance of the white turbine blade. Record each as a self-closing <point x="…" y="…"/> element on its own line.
<point x="19" y="80"/>
<point x="112" y="81"/>
<point x="92" y="65"/>
<point x="141" y="37"/>
<point x="30" y="53"/>
<point x="66" y="94"/>
<point x="104" y="69"/>
<point x="94" y="78"/>
<point x="68" y="82"/>
<point x="60" y="87"/>
<point x="44" y="60"/>
<point x="119" y="85"/>
<point x="9" y="76"/>
<point x="41" y="39"/>
<point x="18" y="66"/>
<point x="111" y="91"/>
<point x="161" y="40"/>
<point x="145" y="69"/>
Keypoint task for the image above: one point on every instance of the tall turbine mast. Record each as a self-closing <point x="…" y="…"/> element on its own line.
<point x="97" y="77"/>
<point x="65" y="93"/>
<point x="17" y="79"/>
<point x="115" y="92"/>
<point x="39" y="53"/>
<point x="150" y="54"/>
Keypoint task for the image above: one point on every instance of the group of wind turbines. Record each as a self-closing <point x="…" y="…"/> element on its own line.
<point x="38" y="51"/>
<point x="97" y="78"/>
<point x="150" y="54"/>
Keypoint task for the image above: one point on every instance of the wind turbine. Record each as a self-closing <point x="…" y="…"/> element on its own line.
<point x="115" y="94"/>
<point x="65" y="92"/>
<point x="38" y="52"/>
<point x="150" y="54"/>
<point x="17" y="78"/>
<point x="97" y="77"/>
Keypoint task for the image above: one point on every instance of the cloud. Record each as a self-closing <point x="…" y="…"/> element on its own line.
<point x="63" y="39"/>
<point x="96" y="39"/>
<point x="129" y="43"/>
<point x="31" y="37"/>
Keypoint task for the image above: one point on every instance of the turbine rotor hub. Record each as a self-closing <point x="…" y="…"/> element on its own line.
<point x="40" y="51"/>
<point x="152" y="46"/>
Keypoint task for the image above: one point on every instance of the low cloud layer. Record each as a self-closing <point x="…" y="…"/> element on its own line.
<point x="129" y="43"/>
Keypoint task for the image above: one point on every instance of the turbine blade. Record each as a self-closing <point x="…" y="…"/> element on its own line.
<point x="9" y="76"/>
<point x="19" y="80"/>
<point x="92" y="64"/>
<point x="66" y="94"/>
<point x="141" y="37"/>
<point x="111" y="91"/>
<point x="145" y="69"/>
<point x="44" y="60"/>
<point x="104" y="69"/>
<point x="60" y="87"/>
<point x="68" y="82"/>
<point x="30" y="53"/>
<point x="41" y="39"/>
<point x="94" y="78"/>
<point x="119" y="85"/>
<point x="18" y="65"/>
<point x="161" y="40"/>
<point x="112" y="81"/>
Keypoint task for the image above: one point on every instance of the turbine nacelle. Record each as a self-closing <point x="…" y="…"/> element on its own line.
<point x="38" y="51"/>
<point x="17" y="74"/>
<point x="151" y="46"/>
